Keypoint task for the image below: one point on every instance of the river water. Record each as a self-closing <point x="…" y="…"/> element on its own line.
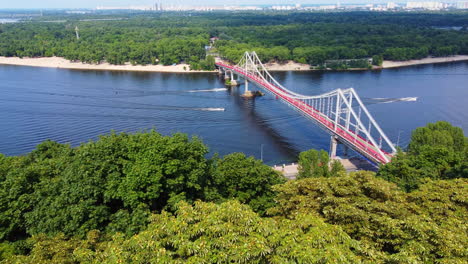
<point x="71" y="106"/>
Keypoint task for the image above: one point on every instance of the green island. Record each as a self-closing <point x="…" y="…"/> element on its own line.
<point x="149" y="198"/>
<point x="336" y="40"/>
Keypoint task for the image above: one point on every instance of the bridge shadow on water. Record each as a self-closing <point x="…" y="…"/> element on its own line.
<point x="254" y="118"/>
<point x="275" y="137"/>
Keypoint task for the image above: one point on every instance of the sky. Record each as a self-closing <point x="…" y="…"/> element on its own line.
<point x="25" y="4"/>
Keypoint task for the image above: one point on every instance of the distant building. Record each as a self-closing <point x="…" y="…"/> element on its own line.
<point x="282" y="7"/>
<point x="425" y="5"/>
<point x="462" y="5"/>
<point x="391" y="5"/>
<point x="323" y="7"/>
<point x="158" y="6"/>
<point x="143" y="8"/>
<point x="80" y="12"/>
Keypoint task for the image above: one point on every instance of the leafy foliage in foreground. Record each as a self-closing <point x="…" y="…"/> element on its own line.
<point x="246" y="179"/>
<point x="314" y="164"/>
<point x="348" y="219"/>
<point x="437" y="151"/>
<point x="115" y="183"/>
<point x="426" y="226"/>
<point x="208" y="233"/>
<point x="136" y="199"/>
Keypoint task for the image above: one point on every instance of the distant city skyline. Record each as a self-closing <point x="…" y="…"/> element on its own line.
<point x="33" y="4"/>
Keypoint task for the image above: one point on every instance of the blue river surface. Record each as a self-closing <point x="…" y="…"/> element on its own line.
<point x="73" y="106"/>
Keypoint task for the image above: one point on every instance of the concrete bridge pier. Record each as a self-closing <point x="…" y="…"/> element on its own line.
<point x="233" y="81"/>
<point x="247" y="92"/>
<point x="250" y="68"/>
<point x="334" y="142"/>
<point x="333" y="146"/>
<point x="229" y="78"/>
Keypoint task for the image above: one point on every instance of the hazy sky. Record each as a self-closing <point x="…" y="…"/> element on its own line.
<point x="94" y="3"/>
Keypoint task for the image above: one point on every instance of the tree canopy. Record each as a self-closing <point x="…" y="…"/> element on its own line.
<point x="149" y="198"/>
<point x="168" y="38"/>
<point x="394" y="226"/>
<point x="313" y="163"/>
<point x="437" y="151"/>
<point x="246" y="179"/>
<point x="113" y="184"/>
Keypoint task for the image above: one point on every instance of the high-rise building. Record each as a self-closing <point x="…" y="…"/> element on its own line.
<point x="425" y="5"/>
<point x="391" y="5"/>
<point x="462" y="5"/>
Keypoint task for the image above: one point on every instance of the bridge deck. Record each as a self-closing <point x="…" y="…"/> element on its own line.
<point x="345" y="136"/>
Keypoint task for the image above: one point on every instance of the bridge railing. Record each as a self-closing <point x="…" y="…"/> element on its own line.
<point x="340" y="112"/>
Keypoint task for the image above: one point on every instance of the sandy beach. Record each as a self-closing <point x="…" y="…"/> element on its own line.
<point x="61" y="63"/>
<point x="397" y="64"/>
<point x="294" y="66"/>
<point x="289" y="66"/>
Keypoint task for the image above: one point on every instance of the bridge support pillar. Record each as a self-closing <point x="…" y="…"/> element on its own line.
<point x="333" y="146"/>
<point x="247" y="93"/>
<point x="233" y="81"/>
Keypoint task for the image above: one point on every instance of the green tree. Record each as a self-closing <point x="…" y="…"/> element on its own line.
<point x="20" y="176"/>
<point x="111" y="184"/>
<point x="208" y="233"/>
<point x="246" y="179"/>
<point x="313" y="164"/>
<point x="209" y="63"/>
<point x="439" y="134"/>
<point x="377" y="60"/>
<point x="426" y="226"/>
<point x="7" y="250"/>
<point x="437" y="151"/>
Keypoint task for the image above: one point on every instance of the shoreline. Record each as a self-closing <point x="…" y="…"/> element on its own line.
<point x="399" y="64"/>
<point x="294" y="66"/>
<point x="61" y="63"/>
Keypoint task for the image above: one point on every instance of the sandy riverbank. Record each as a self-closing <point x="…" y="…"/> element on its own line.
<point x="61" y="63"/>
<point x="397" y="64"/>
<point x="57" y="62"/>
<point x="289" y="66"/>
<point x="294" y="66"/>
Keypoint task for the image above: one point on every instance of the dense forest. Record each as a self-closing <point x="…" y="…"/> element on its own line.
<point x="149" y="198"/>
<point x="168" y="38"/>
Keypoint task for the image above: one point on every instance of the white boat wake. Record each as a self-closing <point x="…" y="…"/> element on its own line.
<point x="220" y="109"/>
<point x="208" y="90"/>
<point x="390" y="100"/>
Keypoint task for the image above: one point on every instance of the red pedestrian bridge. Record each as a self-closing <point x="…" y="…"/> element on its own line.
<point x="341" y="112"/>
